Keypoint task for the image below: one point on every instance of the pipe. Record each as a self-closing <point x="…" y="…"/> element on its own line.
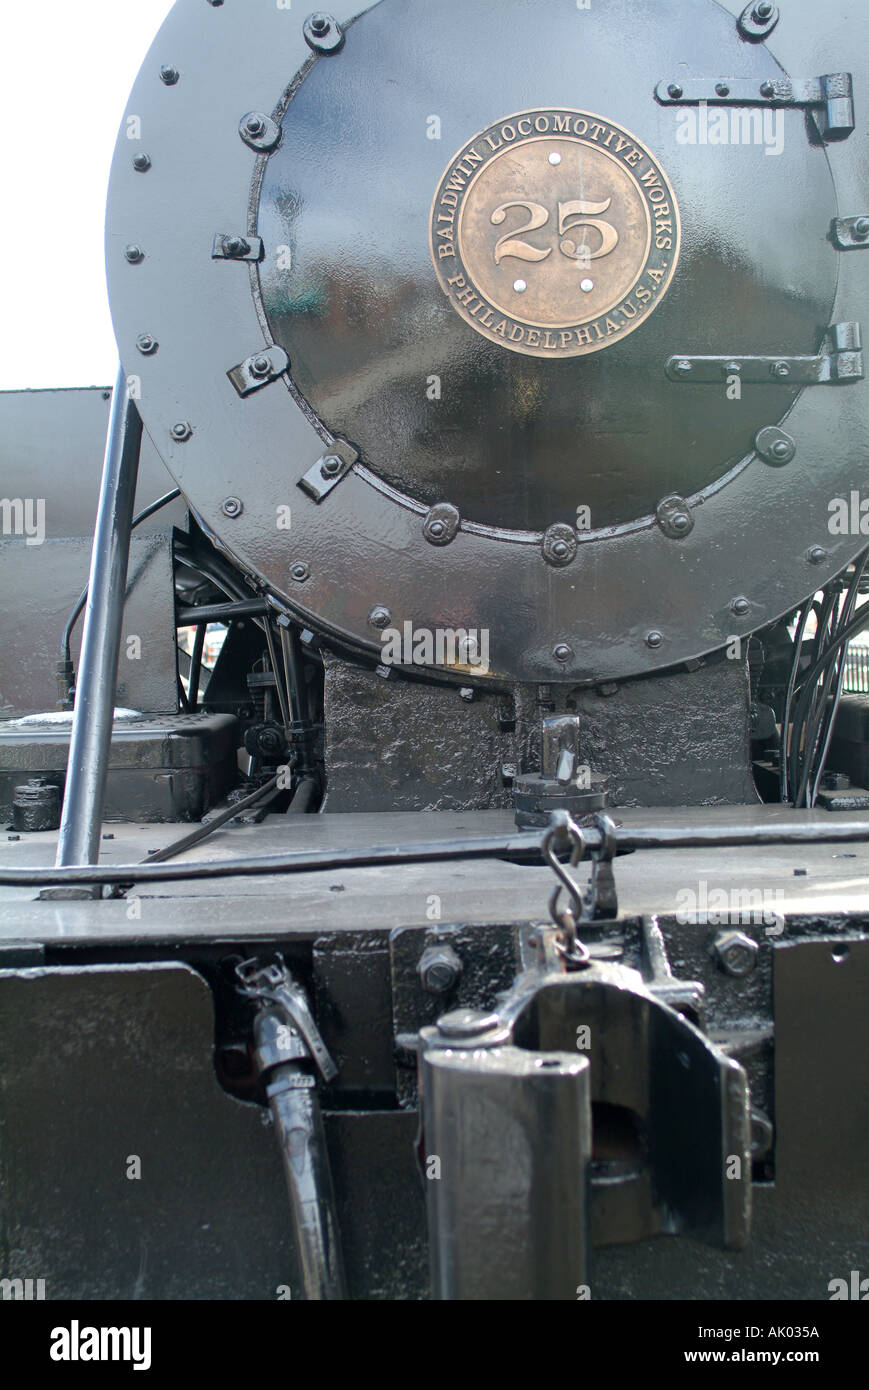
<point x="90" y="740"/>
<point x="221" y="612"/>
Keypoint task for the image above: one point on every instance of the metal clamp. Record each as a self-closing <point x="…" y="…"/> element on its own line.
<point x="273" y="984"/>
<point x="258" y="370"/>
<point x="830" y="97"/>
<point x="839" y="361"/>
<point x="328" y="471"/>
<point x="595" y="903"/>
<point x="851" y="233"/>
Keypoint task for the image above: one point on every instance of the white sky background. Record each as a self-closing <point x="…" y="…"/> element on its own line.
<point x="68" y="69"/>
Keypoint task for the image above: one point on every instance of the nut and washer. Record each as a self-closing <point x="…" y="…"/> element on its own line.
<point x="134" y="254"/>
<point x="441" y="524"/>
<point x="439" y="969"/>
<point x="774" y="446"/>
<point x="169" y="75"/>
<point x="323" y="33"/>
<point x="232" y="506"/>
<point x="259" y="131"/>
<point x="146" y="344"/>
<point x="735" y="953"/>
<point x="559" y="545"/>
<point x="141" y="163"/>
<point x="674" y="517"/>
<point x="380" y="617"/>
<point x="299" y="571"/>
<point x="181" y="431"/>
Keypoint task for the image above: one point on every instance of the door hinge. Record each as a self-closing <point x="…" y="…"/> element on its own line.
<point x="839" y="361"/>
<point x="830" y="98"/>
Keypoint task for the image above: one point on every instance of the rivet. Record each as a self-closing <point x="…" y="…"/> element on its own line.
<point x="674" y="91"/>
<point x="586" y="286"/>
<point x="817" y="555"/>
<point x="232" y="506"/>
<point x="722" y="89"/>
<point x="861" y="228"/>
<point x="562" y="652"/>
<point x="560" y="549"/>
<point x="654" y="639"/>
<point x="520" y="286"/>
<point x="169" y="75"/>
<point x="299" y="571"/>
<point x="134" y="254"/>
<point x="781" y="449"/>
<point x="740" y="607"/>
<point x="146" y="344"/>
<point x="774" y="446"/>
<point x="142" y="162"/>
<point x="181" y="431"/>
<point x="380" y="617"/>
<point x="331" y="465"/>
<point x="767" y="89"/>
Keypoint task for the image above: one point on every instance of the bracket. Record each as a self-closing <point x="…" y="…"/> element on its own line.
<point x="258" y="370"/>
<point x="328" y="471"/>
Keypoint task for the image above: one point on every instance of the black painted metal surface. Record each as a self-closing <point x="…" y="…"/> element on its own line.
<point x="758" y="274"/>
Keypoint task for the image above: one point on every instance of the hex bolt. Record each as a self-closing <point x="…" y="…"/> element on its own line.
<point x="782" y="449"/>
<point x="134" y="254"/>
<point x="722" y="89"/>
<point x="740" y="607"/>
<point x="260" y="366"/>
<point x="181" y="431"/>
<point x="299" y="571"/>
<point x="736" y="953"/>
<point x="236" y="246"/>
<point x="861" y="228"/>
<point x="654" y="638"/>
<point x="683" y="367"/>
<point x="232" y="506"/>
<point x="320" y="24"/>
<point x="255" y="125"/>
<point x="762" y="11"/>
<point x="380" y="617"/>
<point x="767" y="89"/>
<point x="331" y="465"/>
<point x="817" y="555"/>
<point x="146" y="344"/>
<point x="439" y="969"/>
<point x="436" y="529"/>
<point x="169" y="75"/>
<point x="142" y="163"/>
<point x="780" y="369"/>
<point x="562" y="652"/>
<point x="674" y="91"/>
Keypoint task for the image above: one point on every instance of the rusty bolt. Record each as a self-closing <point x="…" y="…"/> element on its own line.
<point x="736" y="953"/>
<point x="439" y="969"/>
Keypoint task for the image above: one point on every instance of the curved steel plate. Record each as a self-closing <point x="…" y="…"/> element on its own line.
<point x="363" y="543"/>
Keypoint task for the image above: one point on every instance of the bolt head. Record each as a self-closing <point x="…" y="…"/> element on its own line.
<point x="683" y="367"/>
<point x="181" y="431"/>
<point x="255" y="125"/>
<point x="320" y="24"/>
<point x="436" y="529"/>
<point x="468" y="694"/>
<point x="380" y="617"/>
<point x="817" y="555"/>
<point x="654" y="639"/>
<point x="740" y="607"/>
<point x="780" y="369"/>
<point x="260" y="366"/>
<point x="861" y="228"/>
<point x="169" y="75"/>
<point x="299" y="571"/>
<point x="674" y="91"/>
<point x="146" y="344"/>
<point x="563" y="652"/>
<point x="722" y="89"/>
<point x="142" y="162"/>
<point x="232" y="506"/>
<point x="781" y="449"/>
<point x="331" y="465"/>
<point x="767" y="89"/>
<point x="736" y="953"/>
<point x="680" y="521"/>
<point x="134" y="254"/>
<point x="439" y="969"/>
<point x="235" y="245"/>
<point x="560" y="549"/>
<point x="762" y="11"/>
